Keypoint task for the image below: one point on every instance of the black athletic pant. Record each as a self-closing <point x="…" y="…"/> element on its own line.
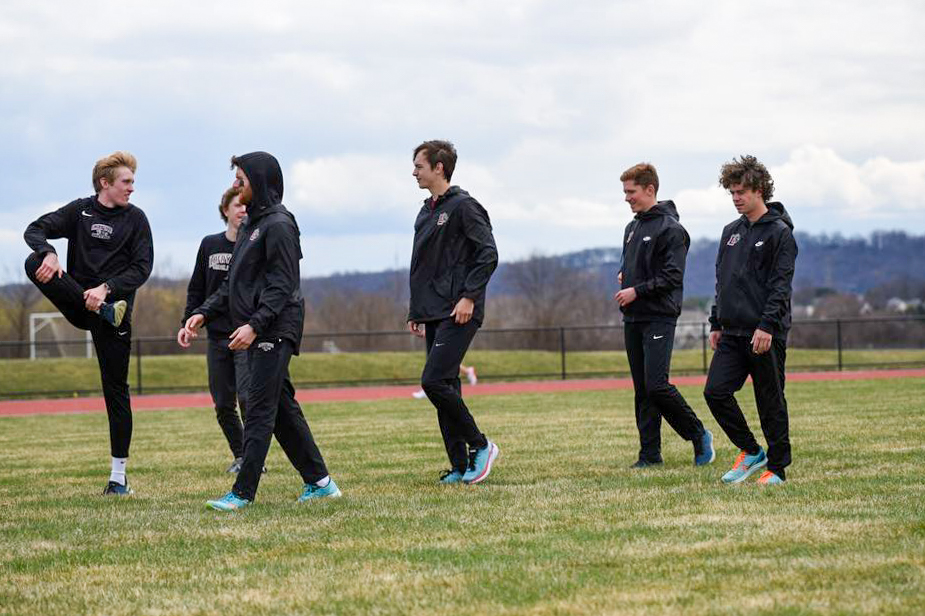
<point x="732" y="363"/>
<point x="447" y="344"/>
<point x="648" y="349"/>
<point x="113" y="350"/>
<point x="228" y="382"/>
<point x="272" y="410"/>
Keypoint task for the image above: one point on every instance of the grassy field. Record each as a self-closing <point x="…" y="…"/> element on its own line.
<point x="561" y="527"/>
<point x="165" y="372"/>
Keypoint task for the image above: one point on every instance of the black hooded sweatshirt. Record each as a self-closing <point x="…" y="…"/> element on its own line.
<point x="654" y="256"/>
<point x="262" y="286"/>
<point x="211" y="268"/>
<point x="111" y="245"/>
<point x="454" y="256"/>
<point x="754" y="275"/>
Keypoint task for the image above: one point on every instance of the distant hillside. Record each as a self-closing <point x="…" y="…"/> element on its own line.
<point x="847" y="265"/>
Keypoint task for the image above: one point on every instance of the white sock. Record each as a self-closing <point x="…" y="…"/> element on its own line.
<point x="118" y="470"/>
<point x="324" y="481"/>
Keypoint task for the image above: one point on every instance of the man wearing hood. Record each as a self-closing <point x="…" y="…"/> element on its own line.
<point x="109" y="256"/>
<point x="452" y="259"/>
<point x="261" y="295"/>
<point x="651" y="290"/>
<point x="750" y="320"/>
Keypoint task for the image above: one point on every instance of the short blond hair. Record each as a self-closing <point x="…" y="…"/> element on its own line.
<point x="106" y="167"/>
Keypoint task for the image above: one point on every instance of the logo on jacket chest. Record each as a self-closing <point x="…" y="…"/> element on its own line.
<point x="255" y="234"/>
<point x="220" y="261"/>
<point x="733" y="239"/>
<point x="100" y="231"/>
<point x="442" y="218"/>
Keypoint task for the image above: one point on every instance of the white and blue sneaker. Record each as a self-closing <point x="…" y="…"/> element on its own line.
<point x="451" y="476"/>
<point x="703" y="449"/>
<point x="229" y="502"/>
<point x="480" y="463"/>
<point x="310" y="491"/>
<point x="745" y="466"/>
<point x="114" y="488"/>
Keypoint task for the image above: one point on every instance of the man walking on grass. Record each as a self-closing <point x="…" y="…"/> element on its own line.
<point x="750" y="320"/>
<point x="652" y="288"/>
<point x="228" y="376"/>
<point x="452" y="259"/>
<point x="262" y="297"/>
<point x="109" y="256"/>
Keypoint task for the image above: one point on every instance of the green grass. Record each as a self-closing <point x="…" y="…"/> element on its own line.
<point x="188" y="372"/>
<point x="561" y="527"/>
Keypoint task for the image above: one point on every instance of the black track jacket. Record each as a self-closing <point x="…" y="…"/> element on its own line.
<point x="754" y="275"/>
<point x="111" y="245"/>
<point x="211" y="268"/>
<point x="654" y="256"/>
<point x="454" y="256"/>
<point x="262" y="286"/>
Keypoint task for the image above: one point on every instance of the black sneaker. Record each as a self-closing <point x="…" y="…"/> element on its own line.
<point x="113" y="313"/>
<point x="645" y="463"/>
<point x="235" y="466"/>
<point x="117" y="489"/>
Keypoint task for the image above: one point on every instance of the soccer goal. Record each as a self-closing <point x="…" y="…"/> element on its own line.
<point x="50" y="335"/>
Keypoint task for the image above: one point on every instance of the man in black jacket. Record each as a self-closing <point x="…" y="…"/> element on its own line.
<point x="261" y="295"/>
<point x="652" y="288"/>
<point x="453" y="257"/>
<point x="750" y="320"/>
<point x="109" y="255"/>
<point x="228" y="376"/>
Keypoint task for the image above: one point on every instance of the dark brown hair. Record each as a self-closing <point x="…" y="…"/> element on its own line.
<point x="643" y="174"/>
<point x="438" y="151"/>
<point x="747" y="171"/>
<point x="230" y="194"/>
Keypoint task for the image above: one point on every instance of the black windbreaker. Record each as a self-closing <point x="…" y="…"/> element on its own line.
<point x="262" y="286"/>
<point x="111" y="245"/>
<point x="454" y="256"/>
<point x="211" y="268"/>
<point x="754" y="275"/>
<point x="654" y="255"/>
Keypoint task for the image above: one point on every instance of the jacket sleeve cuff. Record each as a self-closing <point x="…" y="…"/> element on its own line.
<point x="766" y="326"/>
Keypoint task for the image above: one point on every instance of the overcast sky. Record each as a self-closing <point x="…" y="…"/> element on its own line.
<point x="547" y="103"/>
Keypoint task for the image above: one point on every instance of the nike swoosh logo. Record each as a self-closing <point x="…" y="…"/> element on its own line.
<point x="84" y="212"/>
<point x="439" y="344"/>
<point x="657" y="337"/>
<point x="122" y="333"/>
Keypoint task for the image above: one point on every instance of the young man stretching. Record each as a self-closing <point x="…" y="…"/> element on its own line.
<point x="651" y="290"/>
<point x="109" y="255"/>
<point x="750" y="320"/>
<point x="453" y="257"/>
<point x="228" y="375"/>
<point x="261" y="295"/>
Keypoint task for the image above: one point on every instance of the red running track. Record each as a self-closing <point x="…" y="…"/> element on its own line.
<point x="356" y="394"/>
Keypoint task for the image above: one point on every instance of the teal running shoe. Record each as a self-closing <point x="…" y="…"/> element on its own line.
<point x="229" y="502"/>
<point x="703" y="449"/>
<point x="770" y="478"/>
<point x="480" y="463"/>
<point x="745" y="465"/>
<point x="451" y="476"/>
<point x="117" y="489"/>
<point x="310" y="491"/>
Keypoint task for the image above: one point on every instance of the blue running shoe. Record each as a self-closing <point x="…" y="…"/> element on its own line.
<point x="310" y="491"/>
<point x="452" y="476"/>
<point x="480" y="462"/>
<point x="770" y="478"/>
<point x="117" y="489"/>
<point x="745" y="465"/>
<point x="229" y="502"/>
<point x="703" y="449"/>
<point x="113" y="313"/>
